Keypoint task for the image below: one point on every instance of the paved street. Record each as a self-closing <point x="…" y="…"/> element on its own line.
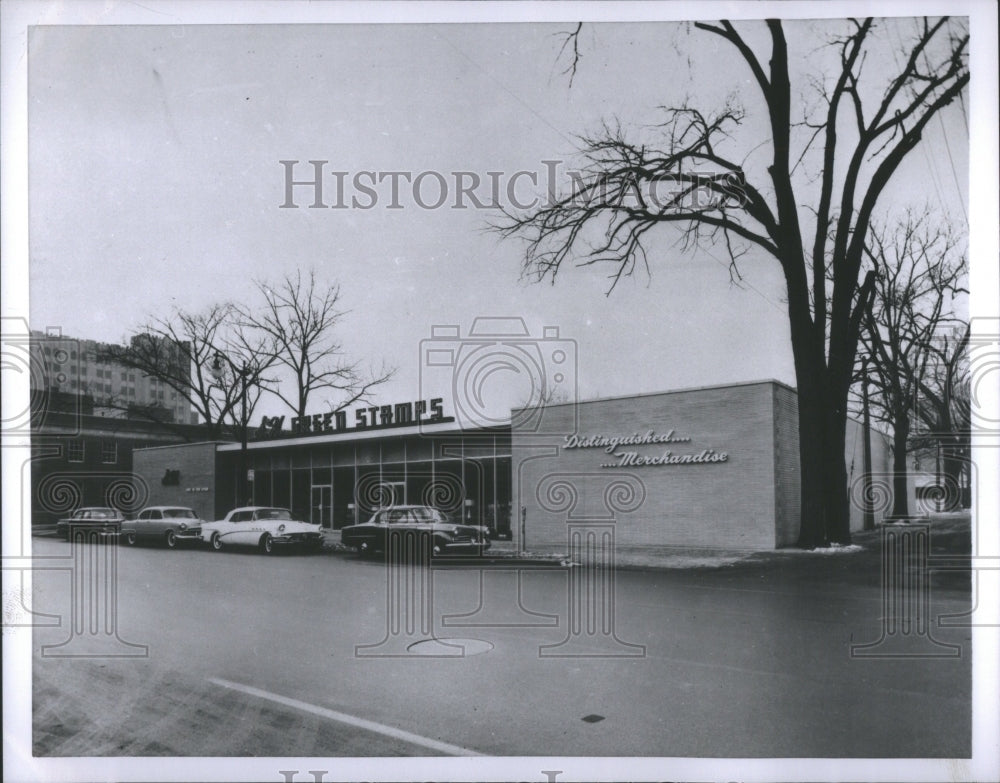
<point x="254" y="655"/>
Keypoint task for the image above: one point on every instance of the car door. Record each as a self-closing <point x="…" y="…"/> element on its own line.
<point x="154" y="527"/>
<point x="241" y="529"/>
<point x="141" y="524"/>
<point x="375" y="533"/>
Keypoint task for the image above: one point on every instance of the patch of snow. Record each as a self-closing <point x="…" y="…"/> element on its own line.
<point x="836" y="549"/>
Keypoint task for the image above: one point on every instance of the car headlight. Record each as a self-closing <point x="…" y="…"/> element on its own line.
<point x="281" y="528"/>
<point x="184" y="526"/>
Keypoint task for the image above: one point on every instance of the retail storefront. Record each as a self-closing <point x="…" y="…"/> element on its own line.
<point x="337" y="478"/>
<point x="714" y="467"/>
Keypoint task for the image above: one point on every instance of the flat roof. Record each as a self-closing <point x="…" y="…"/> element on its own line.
<point x="444" y="428"/>
<point x="352" y="435"/>
<point x="685" y="390"/>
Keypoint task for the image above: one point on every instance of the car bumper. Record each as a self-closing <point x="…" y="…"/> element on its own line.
<point x="191" y="534"/>
<point x="467" y="546"/>
<point x="314" y="539"/>
<point x="103" y="531"/>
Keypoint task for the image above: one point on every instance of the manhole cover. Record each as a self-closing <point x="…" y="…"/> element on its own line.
<point x="452" y="647"/>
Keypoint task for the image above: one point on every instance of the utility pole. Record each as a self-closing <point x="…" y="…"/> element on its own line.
<point x="243" y="432"/>
<point x="869" y="515"/>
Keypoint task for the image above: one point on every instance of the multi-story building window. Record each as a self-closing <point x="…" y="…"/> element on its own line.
<point x="109" y="451"/>
<point x="75" y="451"/>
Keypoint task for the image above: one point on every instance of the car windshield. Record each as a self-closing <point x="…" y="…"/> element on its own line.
<point x="96" y="513"/>
<point x="272" y="513"/>
<point x="425" y="515"/>
<point x="178" y="513"/>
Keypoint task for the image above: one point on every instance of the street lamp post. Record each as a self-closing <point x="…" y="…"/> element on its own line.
<point x="218" y="372"/>
<point x="244" y="475"/>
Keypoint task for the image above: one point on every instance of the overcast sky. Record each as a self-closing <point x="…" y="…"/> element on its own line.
<point x="155" y="182"/>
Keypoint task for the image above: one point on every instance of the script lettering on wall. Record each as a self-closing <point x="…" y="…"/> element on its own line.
<point x="633" y="459"/>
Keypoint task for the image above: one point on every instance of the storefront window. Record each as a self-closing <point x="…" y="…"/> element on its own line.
<point x="343" y="497"/>
<point x="368" y="452"/>
<point x="301" y="492"/>
<point x="281" y="491"/>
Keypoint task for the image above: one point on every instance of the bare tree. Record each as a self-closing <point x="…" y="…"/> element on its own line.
<point x="944" y="415"/>
<point x="195" y="354"/>
<point x="921" y="269"/>
<point x="298" y="320"/>
<point x="699" y="174"/>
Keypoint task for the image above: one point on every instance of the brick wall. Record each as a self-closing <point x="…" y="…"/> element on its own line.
<point x="786" y="423"/>
<point x="787" y="488"/>
<point x="196" y="487"/>
<point x="725" y="505"/>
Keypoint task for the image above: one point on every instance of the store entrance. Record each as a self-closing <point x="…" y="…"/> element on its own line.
<point x="322" y="506"/>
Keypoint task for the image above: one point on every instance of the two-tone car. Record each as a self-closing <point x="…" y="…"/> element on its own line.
<point x="90" y="520"/>
<point x="264" y="527"/>
<point x="430" y="526"/>
<point x="169" y="525"/>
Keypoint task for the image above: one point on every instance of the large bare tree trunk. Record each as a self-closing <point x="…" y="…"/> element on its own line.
<point x="900" y="437"/>
<point x="838" y="511"/>
<point x="813" y="524"/>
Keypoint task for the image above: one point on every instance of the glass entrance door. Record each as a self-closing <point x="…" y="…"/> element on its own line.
<point x="395" y="492"/>
<point x="322" y="505"/>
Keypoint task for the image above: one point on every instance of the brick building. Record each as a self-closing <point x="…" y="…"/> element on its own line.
<point x="80" y="458"/>
<point x="73" y="366"/>
<point x="713" y="467"/>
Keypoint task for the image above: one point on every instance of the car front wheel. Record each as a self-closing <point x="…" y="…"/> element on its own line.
<point x="171" y="539"/>
<point x="216" y="542"/>
<point x="267" y="544"/>
<point x="130" y="538"/>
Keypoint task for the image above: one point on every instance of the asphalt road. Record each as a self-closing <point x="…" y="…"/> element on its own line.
<point x="248" y="655"/>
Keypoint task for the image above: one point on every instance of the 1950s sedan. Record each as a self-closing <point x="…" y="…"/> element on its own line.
<point x="93" y="519"/>
<point x="441" y="534"/>
<point x="167" y="524"/>
<point x="263" y="527"/>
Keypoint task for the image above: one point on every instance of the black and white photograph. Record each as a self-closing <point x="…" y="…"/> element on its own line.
<point x="533" y="391"/>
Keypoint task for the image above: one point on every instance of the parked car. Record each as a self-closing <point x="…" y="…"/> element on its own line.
<point x="264" y="527"/>
<point x="443" y="534"/>
<point x="105" y="521"/>
<point x="168" y="524"/>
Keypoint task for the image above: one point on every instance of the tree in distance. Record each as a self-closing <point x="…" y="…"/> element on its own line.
<point x="803" y="193"/>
